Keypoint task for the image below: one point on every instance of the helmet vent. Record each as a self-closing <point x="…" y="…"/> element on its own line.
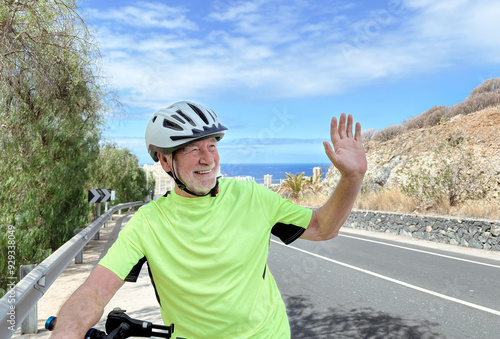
<point x="171" y="125"/>
<point x="199" y="112"/>
<point x="188" y="119"/>
<point x="178" y="118"/>
<point x="212" y="114"/>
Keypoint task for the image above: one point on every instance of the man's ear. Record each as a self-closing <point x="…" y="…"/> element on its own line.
<point x="165" y="161"/>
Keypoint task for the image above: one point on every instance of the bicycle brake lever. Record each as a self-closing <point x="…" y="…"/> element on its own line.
<point x="136" y="327"/>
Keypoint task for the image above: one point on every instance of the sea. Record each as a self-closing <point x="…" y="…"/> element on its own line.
<point x="256" y="171"/>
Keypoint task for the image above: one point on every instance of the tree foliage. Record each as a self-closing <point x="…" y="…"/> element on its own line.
<point x="51" y="105"/>
<point x="295" y="186"/>
<point x="119" y="170"/>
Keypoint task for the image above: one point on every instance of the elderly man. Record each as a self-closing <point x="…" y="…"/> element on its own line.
<point x="207" y="241"/>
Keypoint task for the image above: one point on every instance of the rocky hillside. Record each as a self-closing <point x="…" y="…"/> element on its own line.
<point x="414" y="147"/>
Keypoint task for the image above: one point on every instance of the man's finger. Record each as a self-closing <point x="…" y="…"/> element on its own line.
<point x="330" y="153"/>
<point x="358" y="136"/>
<point x="342" y="133"/>
<point x="349" y="126"/>
<point x="334" y="135"/>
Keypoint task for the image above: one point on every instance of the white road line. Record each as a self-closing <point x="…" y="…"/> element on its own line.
<point x="402" y="283"/>
<point x="421" y="251"/>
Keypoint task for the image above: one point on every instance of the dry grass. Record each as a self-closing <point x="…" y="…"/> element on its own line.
<point x="478" y="209"/>
<point x="315" y="199"/>
<point x="385" y="200"/>
<point x="396" y="201"/>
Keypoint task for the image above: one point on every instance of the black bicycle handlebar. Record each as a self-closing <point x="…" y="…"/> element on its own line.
<point x="120" y="326"/>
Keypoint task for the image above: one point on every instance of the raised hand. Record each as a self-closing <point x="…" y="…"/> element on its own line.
<point x="347" y="154"/>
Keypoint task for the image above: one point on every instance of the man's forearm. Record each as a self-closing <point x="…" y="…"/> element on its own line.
<point x="334" y="213"/>
<point x="329" y="218"/>
<point x="80" y="312"/>
<point x="86" y="306"/>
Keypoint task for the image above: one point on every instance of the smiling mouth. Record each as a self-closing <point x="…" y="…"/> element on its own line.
<point x="203" y="172"/>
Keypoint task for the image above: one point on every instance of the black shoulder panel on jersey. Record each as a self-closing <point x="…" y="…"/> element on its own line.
<point x="288" y="233"/>
<point x="134" y="272"/>
<point x="154" y="285"/>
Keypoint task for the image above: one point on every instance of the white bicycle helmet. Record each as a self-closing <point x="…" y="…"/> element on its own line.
<point x="180" y="124"/>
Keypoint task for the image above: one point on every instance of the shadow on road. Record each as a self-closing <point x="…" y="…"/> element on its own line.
<point x="308" y="322"/>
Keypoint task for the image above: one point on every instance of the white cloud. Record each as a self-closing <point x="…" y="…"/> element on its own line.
<point x="275" y="49"/>
<point x="147" y="15"/>
<point x="465" y="27"/>
<point x="230" y="10"/>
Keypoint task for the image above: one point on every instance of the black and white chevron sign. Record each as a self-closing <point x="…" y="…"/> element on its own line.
<point x="99" y="195"/>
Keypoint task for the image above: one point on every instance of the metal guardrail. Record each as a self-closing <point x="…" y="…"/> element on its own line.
<point x="17" y="303"/>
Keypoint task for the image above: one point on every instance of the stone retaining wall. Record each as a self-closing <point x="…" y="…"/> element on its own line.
<point x="483" y="234"/>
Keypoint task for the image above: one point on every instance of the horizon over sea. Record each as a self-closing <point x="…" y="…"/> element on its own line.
<point x="277" y="170"/>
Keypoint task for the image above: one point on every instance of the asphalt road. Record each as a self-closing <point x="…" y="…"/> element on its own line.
<point x="363" y="285"/>
<point x="358" y="285"/>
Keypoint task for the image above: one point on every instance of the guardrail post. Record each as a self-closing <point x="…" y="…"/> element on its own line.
<point x="96" y="236"/>
<point x="79" y="256"/>
<point x="105" y="210"/>
<point x="30" y="323"/>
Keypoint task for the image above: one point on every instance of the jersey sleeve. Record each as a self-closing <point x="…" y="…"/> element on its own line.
<point x="127" y="255"/>
<point x="288" y="220"/>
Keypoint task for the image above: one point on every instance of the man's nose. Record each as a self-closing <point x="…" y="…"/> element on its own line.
<point x="206" y="157"/>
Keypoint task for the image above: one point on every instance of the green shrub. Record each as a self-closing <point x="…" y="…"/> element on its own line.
<point x="452" y="174"/>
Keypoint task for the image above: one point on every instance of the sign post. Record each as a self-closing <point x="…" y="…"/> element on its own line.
<point x="97" y="196"/>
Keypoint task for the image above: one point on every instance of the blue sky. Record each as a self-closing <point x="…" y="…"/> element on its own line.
<point x="276" y="71"/>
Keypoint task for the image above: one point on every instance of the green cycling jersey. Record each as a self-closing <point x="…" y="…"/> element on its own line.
<point x="207" y="259"/>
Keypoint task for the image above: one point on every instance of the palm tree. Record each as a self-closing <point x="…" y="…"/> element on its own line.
<point x="295" y="186"/>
